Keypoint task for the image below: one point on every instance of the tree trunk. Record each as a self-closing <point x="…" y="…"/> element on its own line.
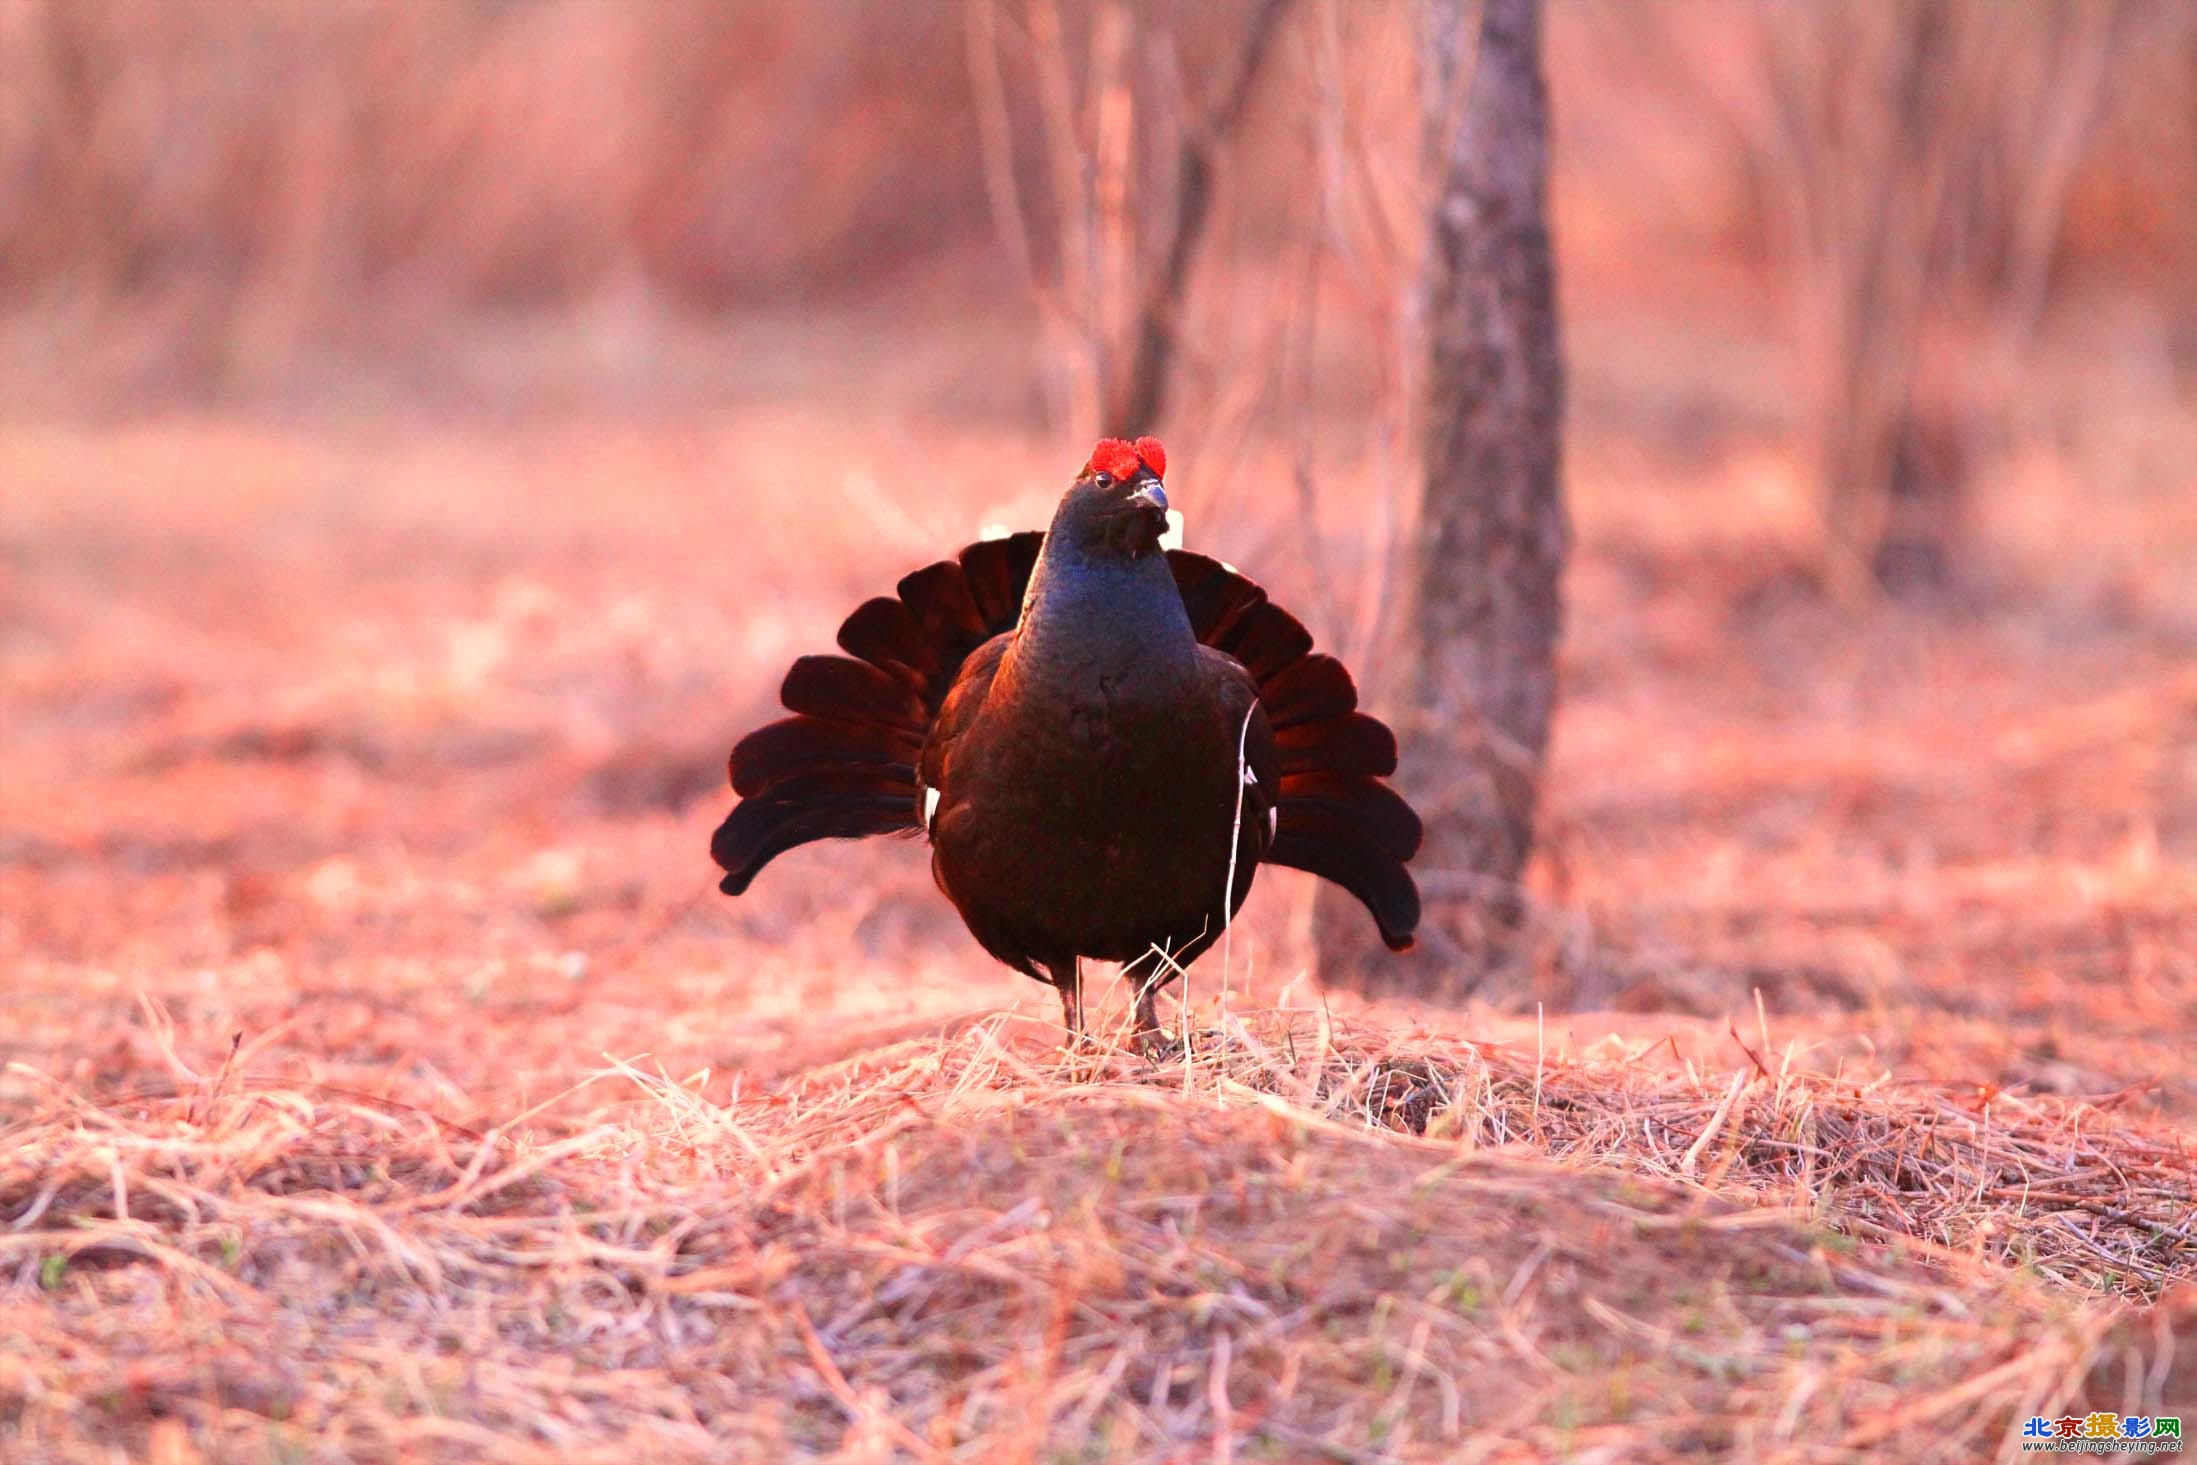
<point x="1482" y="611"/>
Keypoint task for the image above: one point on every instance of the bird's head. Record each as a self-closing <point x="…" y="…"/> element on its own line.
<point x="1117" y="504"/>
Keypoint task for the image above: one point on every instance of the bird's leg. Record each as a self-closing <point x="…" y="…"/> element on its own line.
<point x="1150" y="1039"/>
<point x="1148" y="1021"/>
<point x="1068" y="981"/>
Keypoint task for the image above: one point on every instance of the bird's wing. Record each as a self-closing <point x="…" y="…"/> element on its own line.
<point x="843" y="765"/>
<point x="963" y="700"/>
<point x="1333" y="814"/>
<point x="1258" y="767"/>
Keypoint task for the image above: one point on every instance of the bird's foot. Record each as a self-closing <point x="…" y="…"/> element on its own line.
<point x="1155" y="1043"/>
<point x="1157" y="1046"/>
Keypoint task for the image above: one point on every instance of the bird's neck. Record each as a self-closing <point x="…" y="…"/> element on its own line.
<point x="1090" y="614"/>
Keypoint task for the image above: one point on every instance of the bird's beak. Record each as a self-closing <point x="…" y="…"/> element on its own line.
<point x="1151" y="496"/>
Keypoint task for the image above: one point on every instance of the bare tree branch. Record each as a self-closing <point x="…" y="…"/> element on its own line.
<point x="1139" y="391"/>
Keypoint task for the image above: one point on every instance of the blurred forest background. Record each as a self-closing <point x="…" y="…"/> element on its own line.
<point x="430" y="429"/>
<point x="282" y="204"/>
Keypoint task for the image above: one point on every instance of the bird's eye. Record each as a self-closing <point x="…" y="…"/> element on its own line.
<point x="1103" y="480"/>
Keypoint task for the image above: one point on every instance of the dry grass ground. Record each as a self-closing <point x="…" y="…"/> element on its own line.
<point x="952" y="1248"/>
<point x="384" y="1079"/>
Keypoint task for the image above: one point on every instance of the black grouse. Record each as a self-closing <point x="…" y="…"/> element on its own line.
<point x="1079" y="720"/>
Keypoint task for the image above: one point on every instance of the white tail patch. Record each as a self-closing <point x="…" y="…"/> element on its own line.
<point x="1172" y="539"/>
<point x="930" y="808"/>
<point x="1273" y="824"/>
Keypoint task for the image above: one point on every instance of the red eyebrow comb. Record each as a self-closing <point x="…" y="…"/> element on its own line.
<point x="1123" y="459"/>
<point x="1114" y="456"/>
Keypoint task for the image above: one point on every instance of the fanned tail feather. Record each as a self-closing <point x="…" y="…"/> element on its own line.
<point x="800" y="745"/>
<point x="760" y="829"/>
<point x="998" y="571"/>
<point x="1351" y="742"/>
<point x="1371" y="808"/>
<point x="843" y="766"/>
<point x="1311" y="689"/>
<point x="843" y="689"/>
<point x="1382" y="884"/>
<point x="1335" y="818"/>
<point x="886" y="634"/>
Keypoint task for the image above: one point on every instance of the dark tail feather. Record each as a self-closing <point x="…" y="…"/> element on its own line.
<point x="1335" y="817"/>
<point x="998" y="571"/>
<point x="1309" y="690"/>
<point x="1267" y="640"/>
<point x="886" y="634"/>
<point x="1213" y="594"/>
<point x="766" y="826"/>
<point x="845" y="690"/>
<point x="1352" y="743"/>
<point x="1371" y="808"/>
<point x="1334" y="849"/>
<point x="1231" y="613"/>
<point x="796" y="745"/>
<point x="844" y="765"/>
<point x="938" y="596"/>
